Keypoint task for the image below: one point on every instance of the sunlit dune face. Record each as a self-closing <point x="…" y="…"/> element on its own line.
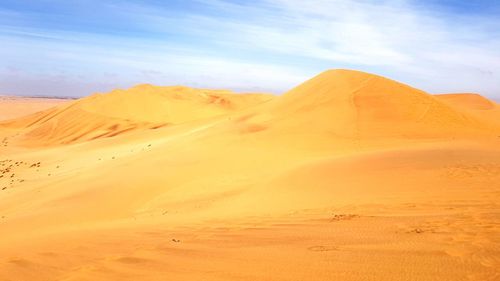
<point x="348" y="176"/>
<point x="142" y="107"/>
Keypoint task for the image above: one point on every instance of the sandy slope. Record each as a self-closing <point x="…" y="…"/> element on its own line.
<point x="121" y="111"/>
<point x="349" y="176"/>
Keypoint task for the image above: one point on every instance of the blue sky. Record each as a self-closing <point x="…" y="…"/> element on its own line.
<point x="74" y="48"/>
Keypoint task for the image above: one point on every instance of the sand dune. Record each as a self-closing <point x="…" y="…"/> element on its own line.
<point x="121" y="111"/>
<point x="354" y="104"/>
<point x="349" y="176"/>
<point x="482" y="108"/>
<point x="468" y="101"/>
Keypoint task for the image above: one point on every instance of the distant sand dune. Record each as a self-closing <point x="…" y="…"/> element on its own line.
<point x="468" y="101"/>
<point x="474" y="104"/>
<point x="14" y="107"/>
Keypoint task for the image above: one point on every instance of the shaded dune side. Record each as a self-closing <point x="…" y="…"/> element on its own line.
<point x="355" y="104"/>
<point x="69" y="124"/>
<point x="121" y="111"/>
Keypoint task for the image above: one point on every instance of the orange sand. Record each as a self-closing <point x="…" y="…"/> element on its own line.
<point x="349" y="176"/>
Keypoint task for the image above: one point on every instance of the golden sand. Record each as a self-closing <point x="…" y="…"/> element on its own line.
<point x="348" y="176"/>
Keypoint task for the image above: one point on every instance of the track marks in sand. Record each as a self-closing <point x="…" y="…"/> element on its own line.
<point x="343" y="217"/>
<point x="466" y="232"/>
<point x="11" y="172"/>
<point x="323" y="248"/>
<point x="462" y="171"/>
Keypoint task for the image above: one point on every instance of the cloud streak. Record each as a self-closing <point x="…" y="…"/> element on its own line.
<point x="267" y="45"/>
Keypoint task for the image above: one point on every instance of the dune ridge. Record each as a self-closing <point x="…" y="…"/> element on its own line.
<point x="357" y="104"/>
<point x="120" y="111"/>
<point x="348" y="176"/>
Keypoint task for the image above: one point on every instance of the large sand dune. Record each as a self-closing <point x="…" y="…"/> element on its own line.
<point x="348" y="176"/>
<point x="121" y="111"/>
<point x="354" y="104"/>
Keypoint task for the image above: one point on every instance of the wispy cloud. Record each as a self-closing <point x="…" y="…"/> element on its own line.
<point x="263" y="45"/>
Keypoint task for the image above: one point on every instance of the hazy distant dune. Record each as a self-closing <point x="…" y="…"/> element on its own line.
<point x="13" y="107"/>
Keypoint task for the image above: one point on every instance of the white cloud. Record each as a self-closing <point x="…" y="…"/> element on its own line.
<point x="274" y="44"/>
<point x="437" y="50"/>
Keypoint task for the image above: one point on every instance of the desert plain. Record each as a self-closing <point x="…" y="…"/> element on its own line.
<point x="348" y="176"/>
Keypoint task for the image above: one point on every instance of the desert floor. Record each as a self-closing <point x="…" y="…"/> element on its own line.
<point x="12" y="107"/>
<point x="349" y="176"/>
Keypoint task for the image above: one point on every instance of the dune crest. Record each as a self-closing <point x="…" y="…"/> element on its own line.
<point x="356" y="104"/>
